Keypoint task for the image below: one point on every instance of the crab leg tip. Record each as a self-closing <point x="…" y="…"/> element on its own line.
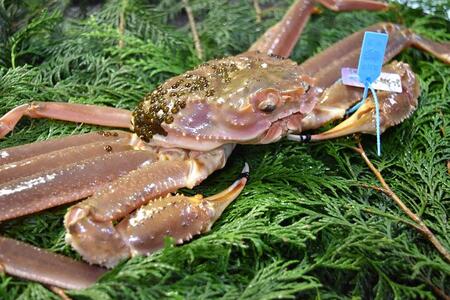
<point x="245" y="173"/>
<point x="302" y="138"/>
<point x="221" y="200"/>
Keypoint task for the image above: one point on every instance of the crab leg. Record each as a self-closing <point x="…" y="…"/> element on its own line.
<point x="337" y="98"/>
<point x="58" y="158"/>
<point x="89" y="224"/>
<point x="9" y="155"/>
<point x="177" y="216"/>
<point x="81" y="113"/>
<point x="29" y="262"/>
<point x="281" y="38"/>
<point x="394" y="108"/>
<point x="326" y="66"/>
<point x="67" y="183"/>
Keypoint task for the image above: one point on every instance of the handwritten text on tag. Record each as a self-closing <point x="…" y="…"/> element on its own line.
<point x="390" y="82"/>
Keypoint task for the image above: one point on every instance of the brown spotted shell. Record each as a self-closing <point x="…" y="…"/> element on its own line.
<point x="229" y="81"/>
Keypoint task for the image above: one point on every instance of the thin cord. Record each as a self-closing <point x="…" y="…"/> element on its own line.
<point x="351" y="110"/>
<point x="358" y="105"/>
<point x="377" y="119"/>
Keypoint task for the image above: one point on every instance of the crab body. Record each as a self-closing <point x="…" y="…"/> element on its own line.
<point x="231" y="100"/>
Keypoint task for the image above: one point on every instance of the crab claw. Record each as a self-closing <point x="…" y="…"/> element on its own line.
<point x="100" y="241"/>
<point x="394" y="108"/>
<point x="177" y="216"/>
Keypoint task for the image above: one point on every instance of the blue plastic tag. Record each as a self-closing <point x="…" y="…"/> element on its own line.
<point x="371" y="57"/>
<point x="369" y="69"/>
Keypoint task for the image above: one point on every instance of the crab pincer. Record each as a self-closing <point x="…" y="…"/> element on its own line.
<point x="178" y="216"/>
<point x="143" y="232"/>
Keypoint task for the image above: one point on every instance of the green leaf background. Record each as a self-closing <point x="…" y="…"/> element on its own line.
<point x="305" y="226"/>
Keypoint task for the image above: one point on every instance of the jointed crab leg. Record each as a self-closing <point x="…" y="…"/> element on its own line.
<point x="326" y="66"/>
<point x="58" y="158"/>
<point x="177" y="216"/>
<point x="81" y="113"/>
<point x="18" y="153"/>
<point x="89" y="224"/>
<point x="28" y="262"/>
<point x="24" y="182"/>
<point x="67" y="183"/>
<point x="282" y="37"/>
<point x="394" y="108"/>
<point x="337" y="98"/>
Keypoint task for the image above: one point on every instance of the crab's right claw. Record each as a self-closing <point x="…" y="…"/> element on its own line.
<point x="178" y="216"/>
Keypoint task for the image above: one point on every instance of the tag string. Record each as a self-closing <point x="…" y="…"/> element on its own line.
<point x="351" y="110"/>
<point x="360" y="103"/>
<point x="377" y="119"/>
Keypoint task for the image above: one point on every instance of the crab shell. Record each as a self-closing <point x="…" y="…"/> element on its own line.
<point x="231" y="100"/>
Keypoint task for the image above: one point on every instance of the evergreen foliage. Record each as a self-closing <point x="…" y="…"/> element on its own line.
<point x="306" y="226"/>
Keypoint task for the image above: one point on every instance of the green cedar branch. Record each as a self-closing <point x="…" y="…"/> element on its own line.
<point x="121" y="28"/>
<point x="258" y="11"/>
<point x="195" y="36"/>
<point x="421" y="226"/>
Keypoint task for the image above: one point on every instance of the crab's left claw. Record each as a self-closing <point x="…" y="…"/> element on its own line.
<point x="394" y="108"/>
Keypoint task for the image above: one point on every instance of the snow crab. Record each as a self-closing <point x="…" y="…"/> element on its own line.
<point x="178" y="135"/>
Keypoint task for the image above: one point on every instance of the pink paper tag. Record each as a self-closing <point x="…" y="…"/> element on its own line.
<point x="385" y="82"/>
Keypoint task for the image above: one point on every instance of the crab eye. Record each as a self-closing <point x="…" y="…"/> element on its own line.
<point x="267" y="105"/>
<point x="267" y="100"/>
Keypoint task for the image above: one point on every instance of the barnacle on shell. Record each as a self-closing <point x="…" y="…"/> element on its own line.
<point x="161" y="105"/>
